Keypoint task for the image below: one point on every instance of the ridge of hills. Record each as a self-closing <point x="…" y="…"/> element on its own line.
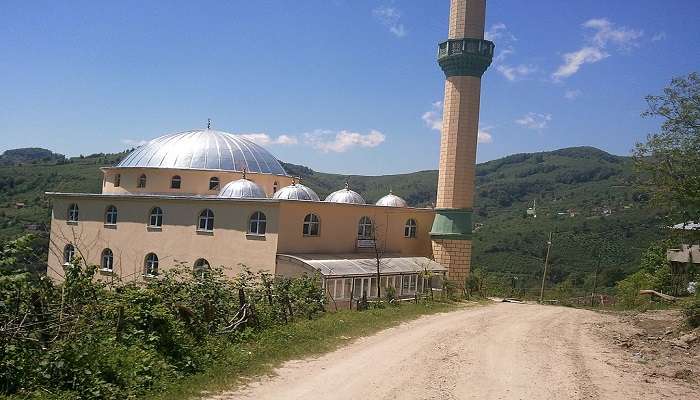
<point x="584" y="195"/>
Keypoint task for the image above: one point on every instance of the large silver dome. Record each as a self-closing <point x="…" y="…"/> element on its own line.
<point x="242" y="188"/>
<point x="296" y="191"/>
<point x="204" y="149"/>
<point x="345" y="196"/>
<point x="392" y="200"/>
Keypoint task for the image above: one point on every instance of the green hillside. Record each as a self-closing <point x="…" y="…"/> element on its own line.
<point x="584" y="195"/>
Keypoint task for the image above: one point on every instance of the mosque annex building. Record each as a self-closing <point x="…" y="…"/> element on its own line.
<point x="209" y="198"/>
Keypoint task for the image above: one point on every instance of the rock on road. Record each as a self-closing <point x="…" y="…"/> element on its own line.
<point x="500" y="351"/>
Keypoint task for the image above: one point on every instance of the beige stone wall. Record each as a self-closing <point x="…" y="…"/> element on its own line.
<point x="339" y="222"/>
<point x="467" y="19"/>
<point x="456" y="254"/>
<point x="193" y="181"/>
<point x="460" y="127"/>
<point x="177" y="242"/>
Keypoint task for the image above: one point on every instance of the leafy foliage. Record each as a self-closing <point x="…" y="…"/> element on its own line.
<point x="84" y="339"/>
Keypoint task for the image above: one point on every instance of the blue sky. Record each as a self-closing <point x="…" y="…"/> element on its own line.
<point x="347" y="86"/>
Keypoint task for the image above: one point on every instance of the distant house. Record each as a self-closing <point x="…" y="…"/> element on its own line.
<point x="20" y="205"/>
<point x="681" y="260"/>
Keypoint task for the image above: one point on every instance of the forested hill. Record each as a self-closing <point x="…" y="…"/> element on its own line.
<point x="583" y="194"/>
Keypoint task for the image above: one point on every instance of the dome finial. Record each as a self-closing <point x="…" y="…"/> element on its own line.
<point x="391" y="191"/>
<point x="208" y="123"/>
<point x="244" y="171"/>
<point x="294" y="180"/>
<point x="347" y="185"/>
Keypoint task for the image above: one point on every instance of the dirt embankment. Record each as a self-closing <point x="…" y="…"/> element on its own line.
<point x="502" y="351"/>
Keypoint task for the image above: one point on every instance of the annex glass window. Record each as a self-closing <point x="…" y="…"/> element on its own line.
<point x="111" y="215"/>
<point x="117" y="180"/>
<point x="206" y="221"/>
<point x="214" y="183"/>
<point x="410" y="229"/>
<point x="107" y="263"/>
<point x="312" y="225"/>
<point x="73" y="213"/>
<point x="155" y="219"/>
<point x="258" y="223"/>
<point x="364" y="228"/>
<point x="68" y="253"/>
<point x="175" y="182"/>
<point x="142" y="181"/>
<point x="201" y="267"/>
<point x="151" y="265"/>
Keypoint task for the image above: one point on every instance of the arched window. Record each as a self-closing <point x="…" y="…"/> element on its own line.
<point x="206" y="221"/>
<point x="111" y="215"/>
<point x="175" y="182"/>
<point x="312" y="225"/>
<point x="142" y="181"/>
<point x="201" y="267"/>
<point x="258" y="223"/>
<point x="155" y="219"/>
<point x="214" y="183"/>
<point x="151" y="265"/>
<point x="73" y="213"/>
<point x="117" y="180"/>
<point x="409" y="230"/>
<point x="68" y="253"/>
<point x="274" y="187"/>
<point x="364" y="228"/>
<point x="107" y="260"/>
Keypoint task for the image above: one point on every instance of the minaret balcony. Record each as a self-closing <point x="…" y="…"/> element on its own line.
<point x="465" y="57"/>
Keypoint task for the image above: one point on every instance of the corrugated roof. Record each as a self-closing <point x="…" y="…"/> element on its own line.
<point x="364" y="264"/>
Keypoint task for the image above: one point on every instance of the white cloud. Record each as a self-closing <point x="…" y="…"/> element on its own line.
<point x="390" y="17"/>
<point x="533" y="120"/>
<point x="604" y="33"/>
<point x="574" y="61"/>
<point x="433" y="118"/>
<point x="658" y="36"/>
<point x="505" y="41"/>
<point x="264" y="139"/>
<point x="572" y="94"/>
<point x="134" y="142"/>
<point x="342" y="141"/>
<point x="513" y="73"/>
<point x="484" y="137"/>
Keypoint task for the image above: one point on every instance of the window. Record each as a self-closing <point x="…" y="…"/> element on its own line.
<point x="409" y="230"/>
<point x="214" y="183"/>
<point x="206" y="221"/>
<point x="311" y="225"/>
<point x="68" y="253"/>
<point x="117" y="180"/>
<point x="151" y="265"/>
<point x="258" y="223"/>
<point x="107" y="260"/>
<point x="111" y="215"/>
<point x="201" y="267"/>
<point x="73" y="213"/>
<point x="175" y="182"/>
<point x="141" y="182"/>
<point x="155" y="219"/>
<point x="364" y="229"/>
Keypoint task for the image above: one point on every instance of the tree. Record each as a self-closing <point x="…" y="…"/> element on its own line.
<point x="669" y="160"/>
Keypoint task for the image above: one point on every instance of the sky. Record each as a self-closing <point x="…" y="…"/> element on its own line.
<point x="344" y="86"/>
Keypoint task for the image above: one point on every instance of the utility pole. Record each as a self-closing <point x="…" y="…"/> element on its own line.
<point x="546" y="259"/>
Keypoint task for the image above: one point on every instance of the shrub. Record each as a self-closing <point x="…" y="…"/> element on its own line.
<point x="692" y="312"/>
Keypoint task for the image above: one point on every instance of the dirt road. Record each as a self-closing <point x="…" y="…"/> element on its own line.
<point x="501" y="351"/>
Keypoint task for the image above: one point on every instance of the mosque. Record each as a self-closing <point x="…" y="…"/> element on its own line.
<point x="204" y="198"/>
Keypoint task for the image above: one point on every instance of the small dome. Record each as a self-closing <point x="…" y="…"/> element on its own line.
<point x="296" y="191"/>
<point x="392" y="200"/>
<point x="242" y="188"/>
<point x="345" y="196"/>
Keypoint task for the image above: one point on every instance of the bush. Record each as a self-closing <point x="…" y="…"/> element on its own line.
<point x="628" y="289"/>
<point x="84" y="340"/>
<point x="692" y="312"/>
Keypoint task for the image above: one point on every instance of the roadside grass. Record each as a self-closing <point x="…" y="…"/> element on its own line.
<point x="262" y="351"/>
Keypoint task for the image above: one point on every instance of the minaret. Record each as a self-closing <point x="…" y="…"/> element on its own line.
<point x="464" y="58"/>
